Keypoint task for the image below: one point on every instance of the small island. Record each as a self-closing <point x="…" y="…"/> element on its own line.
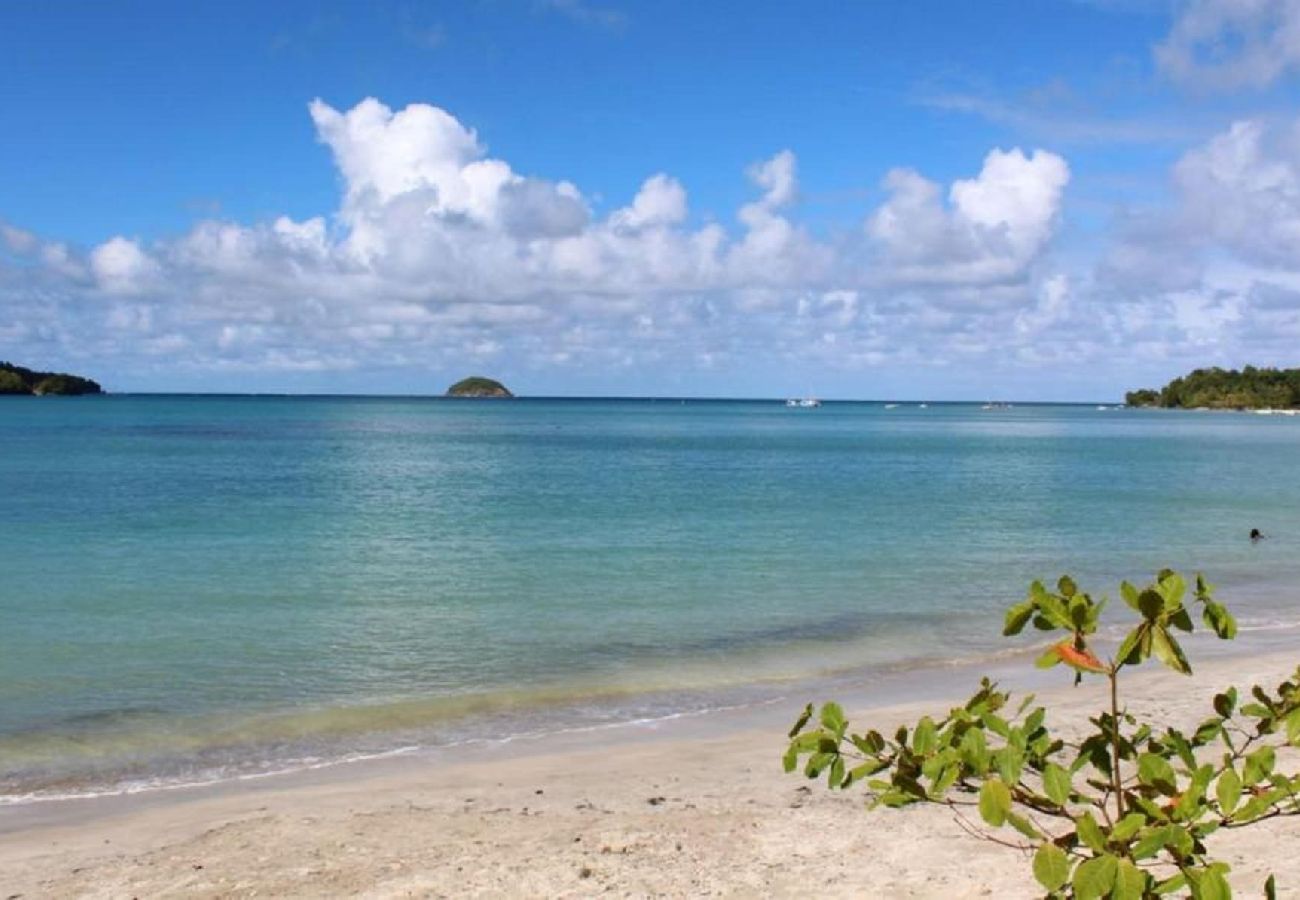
<point x="17" y="380"/>
<point x="1216" y="388"/>
<point x="478" y="386"/>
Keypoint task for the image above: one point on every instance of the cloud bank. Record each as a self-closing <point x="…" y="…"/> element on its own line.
<point x="442" y="257"/>
<point x="439" y="254"/>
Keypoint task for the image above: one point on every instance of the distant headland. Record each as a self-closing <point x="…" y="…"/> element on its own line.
<point x="18" y="380"/>
<point x="478" y="386"/>
<point x="1215" y="388"/>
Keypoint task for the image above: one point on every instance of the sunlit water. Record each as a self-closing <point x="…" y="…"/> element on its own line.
<point x="195" y="588"/>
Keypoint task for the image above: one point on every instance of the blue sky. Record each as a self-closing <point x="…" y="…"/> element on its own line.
<point x="1041" y="200"/>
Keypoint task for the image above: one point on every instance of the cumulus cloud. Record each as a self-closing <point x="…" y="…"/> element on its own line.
<point x="1232" y="43"/>
<point x="993" y="226"/>
<point x="120" y="266"/>
<point x="1211" y="278"/>
<point x="440" y="253"/>
<point x="661" y="201"/>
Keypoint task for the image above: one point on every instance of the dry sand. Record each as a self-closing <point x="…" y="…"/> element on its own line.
<point x="672" y="811"/>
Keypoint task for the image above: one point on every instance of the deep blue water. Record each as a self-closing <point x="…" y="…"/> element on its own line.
<point x="192" y="586"/>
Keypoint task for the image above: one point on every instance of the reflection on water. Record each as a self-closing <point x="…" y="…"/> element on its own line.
<point x="224" y="582"/>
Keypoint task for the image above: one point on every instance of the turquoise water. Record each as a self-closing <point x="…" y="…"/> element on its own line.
<point x="200" y="587"/>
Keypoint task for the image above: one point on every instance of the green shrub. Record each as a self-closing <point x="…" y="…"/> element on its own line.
<point x="12" y="383"/>
<point x="1127" y="811"/>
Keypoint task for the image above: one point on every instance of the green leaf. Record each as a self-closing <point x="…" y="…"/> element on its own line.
<point x="802" y="721"/>
<point x="1067" y="586"/>
<point x="995" y="802"/>
<point x="1172" y="587"/>
<point x="925" y="737"/>
<point x="1168" y="651"/>
<point x="1010" y="764"/>
<point x="1151" y="605"/>
<point x="1024" y="826"/>
<point x="1228" y="790"/>
<point x="1016" y="618"/>
<point x="1130" y="882"/>
<point x="1225" y="703"/>
<point x="1259" y="765"/>
<point x="1130" y="652"/>
<point x="790" y="760"/>
<point x="1051" y="867"/>
<point x="1213" y="886"/>
<point x="1095" y="877"/>
<point x="1090" y="832"/>
<point x="1128" y="826"/>
<point x="1182" y="620"/>
<point x="1252" y="809"/>
<point x="1056" y="783"/>
<point x="1217" y="617"/>
<point x="1130" y="595"/>
<point x="1055" y="612"/>
<point x="857" y="773"/>
<point x="945" y="779"/>
<point x="974" y="751"/>
<point x="1270" y="889"/>
<point x="1156" y="771"/>
<point x="833" y="717"/>
<point x="1049" y="658"/>
<point x="836" y="776"/>
<point x="1169" y="885"/>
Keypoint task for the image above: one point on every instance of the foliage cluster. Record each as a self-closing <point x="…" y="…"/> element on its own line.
<point x="1215" y="388"/>
<point x="478" y="386"/>
<point x="19" y="380"/>
<point x="1124" y="811"/>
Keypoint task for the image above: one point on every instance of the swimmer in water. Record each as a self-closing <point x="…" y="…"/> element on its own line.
<point x="1256" y="535"/>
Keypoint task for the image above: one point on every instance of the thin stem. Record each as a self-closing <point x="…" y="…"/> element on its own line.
<point x="1113" y="676"/>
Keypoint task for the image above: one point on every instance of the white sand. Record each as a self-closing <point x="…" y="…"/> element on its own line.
<point x="663" y="813"/>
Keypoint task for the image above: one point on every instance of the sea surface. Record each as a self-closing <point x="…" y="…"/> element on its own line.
<point x="201" y="588"/>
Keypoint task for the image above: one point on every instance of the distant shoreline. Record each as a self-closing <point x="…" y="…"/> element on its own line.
<point x="611" y="398"/>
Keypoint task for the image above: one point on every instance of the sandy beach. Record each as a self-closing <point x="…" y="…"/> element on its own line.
<point x="686" y="808"/>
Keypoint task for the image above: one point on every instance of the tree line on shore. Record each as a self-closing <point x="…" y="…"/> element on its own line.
<point x="19" y="380"/>
<point x="1215" y="388"/>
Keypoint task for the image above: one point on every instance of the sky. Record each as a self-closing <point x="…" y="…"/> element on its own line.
<point x="1037" y="200"/>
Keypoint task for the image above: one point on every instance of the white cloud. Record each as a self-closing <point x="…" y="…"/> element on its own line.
<point x="120" y="266"/>
<point x="992" y="229"/>
<point x="1242" y="188"/>
<point x="777" y="178"/>
<point x="1232" y="43"/>
<point x="1212" y="278"/>
<point x="441" y="253"/>
<point x="661" y="201"/>
<point x="17" y="240"/>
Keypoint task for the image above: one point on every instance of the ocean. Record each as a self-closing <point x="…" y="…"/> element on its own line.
<point x="197" y="588"/>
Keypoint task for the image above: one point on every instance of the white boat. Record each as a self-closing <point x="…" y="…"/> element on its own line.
<point x="923" y="406"/>
<point x="891" y="406"/>
<point x="804" y="402"/>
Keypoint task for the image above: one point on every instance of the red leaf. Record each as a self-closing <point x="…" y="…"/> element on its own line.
<point x="1079" y="659"/>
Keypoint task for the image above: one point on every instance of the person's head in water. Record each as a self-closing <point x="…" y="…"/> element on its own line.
<point x="1256" y="534"/>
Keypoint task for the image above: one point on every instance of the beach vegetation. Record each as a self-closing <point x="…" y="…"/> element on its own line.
<point x="478" y="386"/>
<point x="20" y="380"/>
<point x="1215" y="388"/>
<point x="1126" y="809"/>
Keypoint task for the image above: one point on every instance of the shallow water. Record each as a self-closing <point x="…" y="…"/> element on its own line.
<point x="198" y="587"/>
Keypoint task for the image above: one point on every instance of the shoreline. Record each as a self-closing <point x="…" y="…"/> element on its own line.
<point x="618" y="711"/>
<point x="689" y="806"/>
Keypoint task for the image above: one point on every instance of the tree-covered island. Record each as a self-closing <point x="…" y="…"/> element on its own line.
<point x="1216" y="388"/>
<point x="478" y="386"/>
<point x="19" y="380"/>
